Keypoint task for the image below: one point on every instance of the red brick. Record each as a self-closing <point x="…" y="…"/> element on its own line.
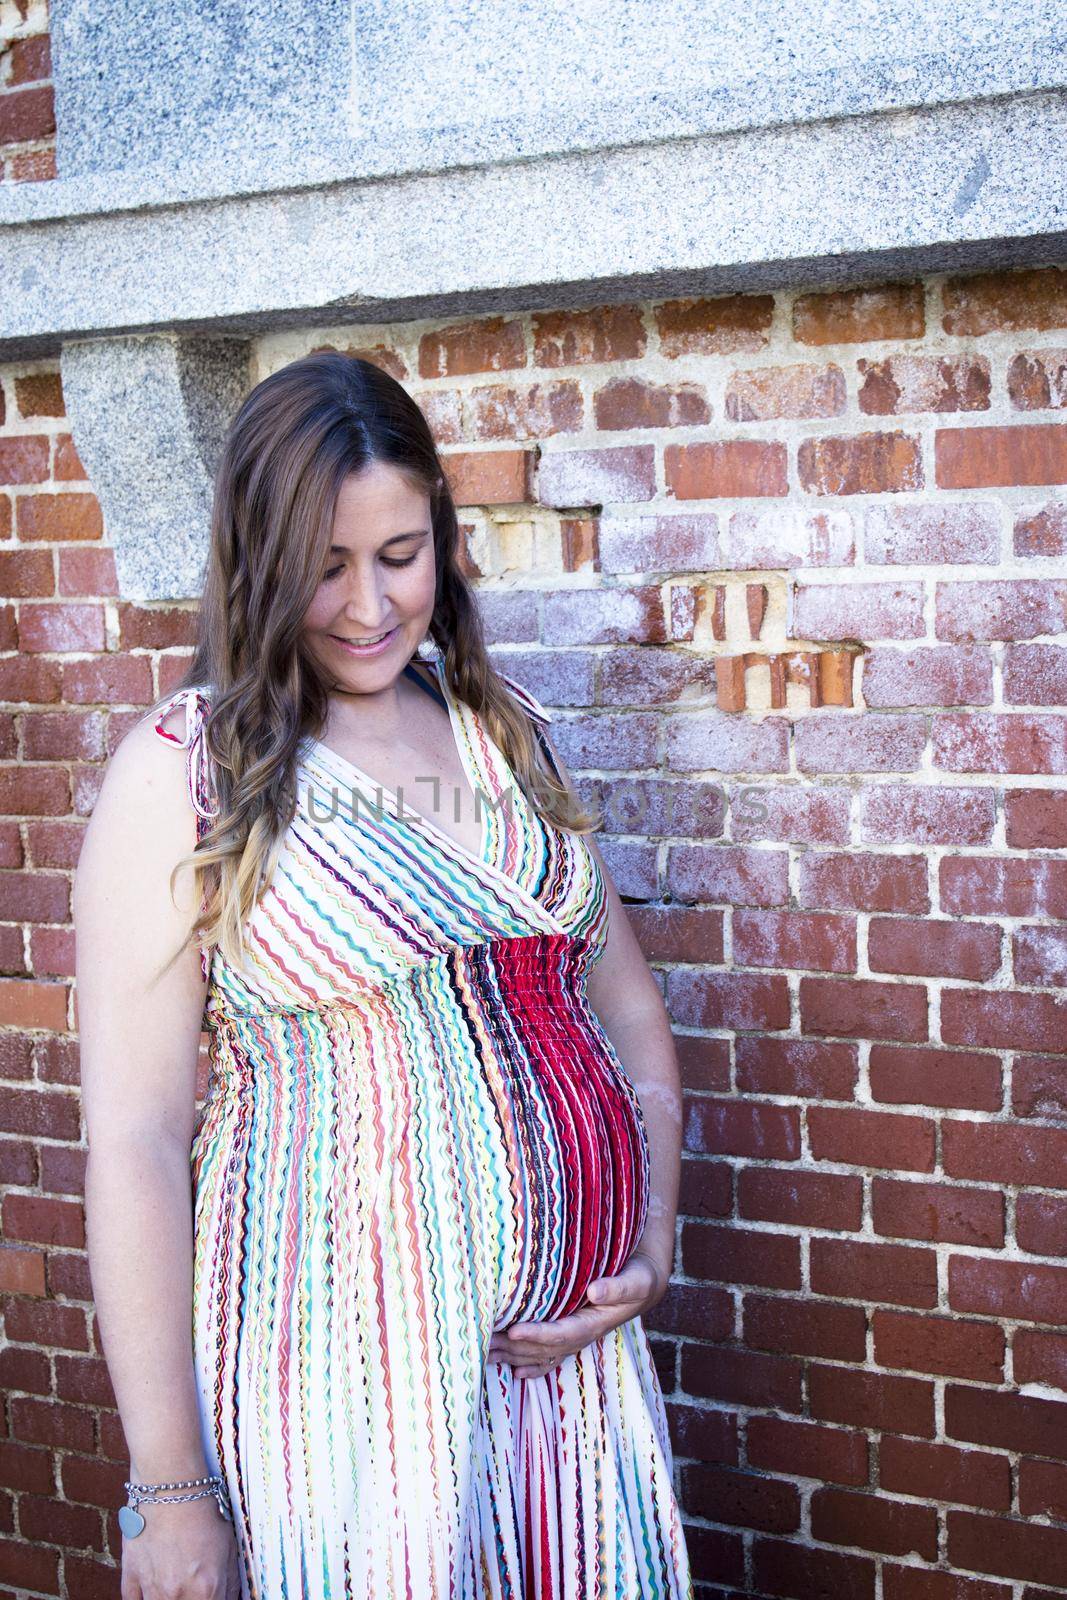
<point x="764" y="394"/>
<point x="741" y="1377"/>
<point x="486" y="345"/>
<point x="895" y="813"/>
<point x="1010" y="608"/>
<point x="932" y="535"/>
<point x="1006" y="1421"/>
<point x="995" y="457"/>
<point x="705" y="1063"/>
<point x="489" y="477"/>
<point x="887" y="1273"/>
<point x="1039" y="1357"/>
<point x="1035" y="379"/>
<point x="706" y="1189"/>
<point x="678" y="933"/>
<point x="703" y="1435"/>
<point x="714" y="1550"/>
<point x="1035" y="818"/>
<point x="1015" y="741"/>
<point x="819" y="943"/>
<point x="26" y="115"/>
<point x="802" y="1067"/>
<point x="790" y="815"/>
<point x="592" y="335"/>
<point x="859" y="611"/>
<point x="683" y="543"/>
<point x="740" y="1255"/>
<point x="734" y="468"/>
<point x="1005" y="1153"/>
<point x="904" y="383"/>
<point x="861" y="1008"/>
<point x="47" y="627"/>
<point x="728" y="874"/>
<point x="714" y="326"/>
<point x="742" y="1128"/>
<point x="1039" y="956"/>
<point x="728" y="743"/>
<point x="870" y="741"/>
<point x="788" y="536"/>
<point x="806" y="1450"/>
<point x="500" y="411"/>
<point x="872" y="1399"/>
<point x="853" y="315"/>
<point x="37" y="1219"/>
<point x="862" y="463"/>
<point x="805" y="1199"/>
<point x="31" y="59"/>
<point x="1006" y="886"/>
<point x="874" y="1523"/>
<point x="860" y="1138"/>
<point x="1006" y="301"/>
<point x="740" y="1000"/>
<point x="1035" y="675"/>
<point x="743" y="1499"/>
<point x="935" y="1211"/>
<point x="920" y="1583"/>
<point x="624" y="403"/>
<point x="941" y="1472"/>
<point x="957" y="1079"/>
<point x="1039" y="1088"/>
<point x="1041" y="533"/>
<point x="1021" y="1290"/>
<point x="928" y="675"/>
<point x="57" y="517"/>
<point x="939" y="1344"/>
<point x="862" y="881"/>
<point x="1006" y="1547"/>
<point x="797" y="1572"/>
<point x="597" y="477"/>
<point x="1041" y="1224"/>
<point x="603" y="616"/>
<point x="935" y="948"/>
<point x="1004" y="1020"/>
<point x="1043" y="1489"/>
<point x="805" y="1327"/>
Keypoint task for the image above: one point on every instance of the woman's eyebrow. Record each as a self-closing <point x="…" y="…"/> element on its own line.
<point x="413" y="533"/>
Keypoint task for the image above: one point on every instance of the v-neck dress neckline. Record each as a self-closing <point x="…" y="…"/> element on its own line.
<point x="481" y="782"/>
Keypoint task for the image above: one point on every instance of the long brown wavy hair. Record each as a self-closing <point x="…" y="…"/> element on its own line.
<point x="295" y="439"/>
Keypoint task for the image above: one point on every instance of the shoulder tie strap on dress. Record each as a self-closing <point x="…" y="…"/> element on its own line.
<point x="539" y="717"/>
<point x="197" y="766"/>
<point x="528" y="701"/>
<point x="198" y="776"/>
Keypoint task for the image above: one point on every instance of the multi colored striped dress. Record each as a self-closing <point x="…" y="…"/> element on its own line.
<point x="417" y="1132"/>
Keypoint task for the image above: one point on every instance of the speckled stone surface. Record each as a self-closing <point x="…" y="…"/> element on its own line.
<point x="148" y="417"/>
<point x="250" y="165"/>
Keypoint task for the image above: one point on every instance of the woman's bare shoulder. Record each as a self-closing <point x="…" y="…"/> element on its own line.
<point x="143" y="808"/>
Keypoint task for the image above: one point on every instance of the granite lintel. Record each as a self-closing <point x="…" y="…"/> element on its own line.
<point x="853" y="200"/>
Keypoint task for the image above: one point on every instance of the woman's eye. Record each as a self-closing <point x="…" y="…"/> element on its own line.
<point x="332" y="572"/>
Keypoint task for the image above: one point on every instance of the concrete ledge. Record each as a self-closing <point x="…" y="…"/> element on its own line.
<point x="949" y="187"/>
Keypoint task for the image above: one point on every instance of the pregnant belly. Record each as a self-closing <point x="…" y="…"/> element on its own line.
<point x="573" y="1134"/>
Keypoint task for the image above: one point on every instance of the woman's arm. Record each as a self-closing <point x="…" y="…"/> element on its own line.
<point x="139" y="1045"/>
<point x="626" y="998"/>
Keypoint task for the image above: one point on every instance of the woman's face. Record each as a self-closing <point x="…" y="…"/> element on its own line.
<point x="380" y="580"/>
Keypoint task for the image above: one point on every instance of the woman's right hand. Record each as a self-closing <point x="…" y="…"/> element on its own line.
<point x="185" y="1551"/>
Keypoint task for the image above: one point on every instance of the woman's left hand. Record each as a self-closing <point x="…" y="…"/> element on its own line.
<point x="534" y="1348"/>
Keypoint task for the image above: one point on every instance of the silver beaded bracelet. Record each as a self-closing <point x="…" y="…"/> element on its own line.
<point x="132" y="1522"/>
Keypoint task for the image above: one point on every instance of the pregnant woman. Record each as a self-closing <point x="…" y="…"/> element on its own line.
<point x="373" y="1316"/>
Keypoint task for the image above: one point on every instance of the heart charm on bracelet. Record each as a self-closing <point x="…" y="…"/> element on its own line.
<point x="130" y="1521"/>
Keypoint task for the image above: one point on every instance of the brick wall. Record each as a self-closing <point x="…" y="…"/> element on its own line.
<point x="27" y="111"/>
<point x="790" y="567"/>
